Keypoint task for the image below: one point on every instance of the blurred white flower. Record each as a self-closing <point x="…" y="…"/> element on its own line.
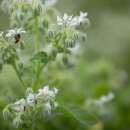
<point x="104" y="99"/>
<point x="71" y="21"/>
<point x="82" y="17"/>
<point x="1" y="34"/>
<point x="56" y="104"/>
<point x="30" y="99"/>
<point x="75" y="49"/>
<point x="47" y="107"/>
<point x="43" y="92"/>
<point x="13" y="32"/>
<point x="17" y="121"/>
<point x="101" y="101"/>
<point x="44" y="98"/>
<point x="56" y="90"/>
<point x="65" y="20"/>
<point x="47" y="93"/>
<point x="19" y="105"/>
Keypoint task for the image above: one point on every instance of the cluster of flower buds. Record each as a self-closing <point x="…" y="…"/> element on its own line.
<point x="71" y="21"/>
<point x="44" y="98"/>
<point x="8" y="41"/>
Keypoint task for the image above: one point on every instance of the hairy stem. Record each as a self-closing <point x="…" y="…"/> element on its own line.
<point x="38" y="73"/>
<point x="37" y="47"/>
<point x="17" y="73"/>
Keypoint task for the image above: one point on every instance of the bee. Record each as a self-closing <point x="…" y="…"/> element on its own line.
<point x="17" y="38"/>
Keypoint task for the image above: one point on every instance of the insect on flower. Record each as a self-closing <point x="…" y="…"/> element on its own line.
<point x="17" y="38"/>
<point x="16" y="33"/>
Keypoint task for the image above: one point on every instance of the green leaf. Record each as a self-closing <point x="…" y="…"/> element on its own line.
<point x="41" y="56"/>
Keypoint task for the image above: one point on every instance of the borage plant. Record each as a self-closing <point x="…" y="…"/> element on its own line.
<point x="51" y="34"/>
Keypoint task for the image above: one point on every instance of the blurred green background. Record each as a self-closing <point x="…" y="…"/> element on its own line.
<point x="103" y="66"/>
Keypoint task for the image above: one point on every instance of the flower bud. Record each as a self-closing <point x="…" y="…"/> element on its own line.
<point x="45" y="23"/>
<point x="50" y="34"/>
<point x="75" y="36"/>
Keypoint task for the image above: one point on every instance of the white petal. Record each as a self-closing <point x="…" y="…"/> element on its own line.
<point x="1" y="34"/>
<point x="56" y="90"/>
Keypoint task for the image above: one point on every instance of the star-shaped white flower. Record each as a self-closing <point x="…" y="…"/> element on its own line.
<point x="47" y="93"/>
<point x="13" y="32"/>
<point x="30" y="99"/>
<point x="71" y="21"/>
<point x="19" y="105"/>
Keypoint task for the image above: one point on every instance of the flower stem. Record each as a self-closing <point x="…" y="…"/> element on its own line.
<point x="38" y="73"/>
<point x="17" y="73"/>
<point x="37" y="48"/>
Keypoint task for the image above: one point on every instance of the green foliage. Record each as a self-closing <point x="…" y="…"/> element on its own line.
<point x="58" y="36"/>
<point x="48" y="54"/>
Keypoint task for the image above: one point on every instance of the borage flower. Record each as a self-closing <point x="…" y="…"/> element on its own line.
<point x="19" y="105"/>
<point x="71" y="21"/>
<point x="14" y="32"/>
<point x="44" y="98"/>
<point x="30" y="99"/>
<point x="47" y="93"/>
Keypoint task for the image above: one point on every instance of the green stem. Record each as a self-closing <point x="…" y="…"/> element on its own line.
<point x="38" y="73"/>
<point x="37" y="47"/>
<point x="17" y="73"/>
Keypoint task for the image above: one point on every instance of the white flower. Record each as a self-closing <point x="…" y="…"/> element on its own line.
<point x="47" y="107"/>
<point x="30" y="99"/>
<point x="75" y="49"/>
<point x="17" y="121"/>
<point x="56" y="104"/>
<point x="45" y="98"/>
<point x="71" y="21"/>
<point x="46" y="93"/>
<point x="13" y="32"/>
<point x="82" y="17"/>
<point x="56" y="90"/>
<point x="19" y="105"/>
<point x="101" y="101"/>
<point x="107" y="98"/>
<point x="43" y="92"/>
<point x="65" y="20"/>
<point x="1" y="34"/>
<point x="104" y="99"/>
<point x="50" y="2"/>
